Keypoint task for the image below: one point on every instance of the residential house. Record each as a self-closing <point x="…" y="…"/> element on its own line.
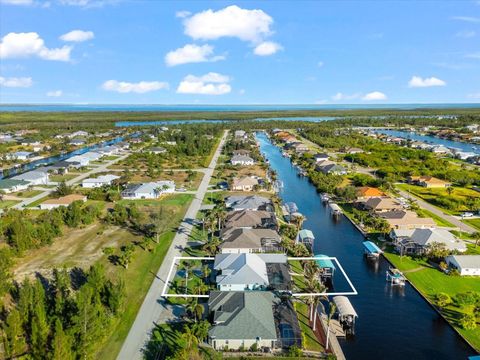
<point x="405" y="219"/>
<point x="241" y="152"/>
<point x="300" y="147"/>
<point x="366" y="192"/>
<point x="34" y="177"/>
<point x="77" y="142"/>
<point x="428" y="181"/>
<point x="417" y="241"/>
<point x="320" y="157"/>
<point x="245" y="240"/>
<point x="20" y="155"/>
<point x="242" y="160"/>
<point x="62" y="201"/>
<point x="251" y="219"/>
<point x="352" y="150"/>
<point x="333" y="169"/>
<point x="99" y="181"/>
<point x="151" y="190"/>
<point x="245" y="183"/>
<point x="239" y="272"/>
<point x="242" y="319"/>
<point x="10" y="185"/>
<point x="441" y="150"/>
<point x="240" y="135"/>
<point x="466" y="265"/>
<point x="381" y="204"/>
<point x="156" y="150"/>
<point x="250" y="202"/>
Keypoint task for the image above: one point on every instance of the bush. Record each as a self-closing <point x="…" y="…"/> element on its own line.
<point x="254" y="347"/>
<point x="467" y="298"/>
<point x="295" y="351"/>
<point x="443" y="300"/>
<point x="468" y="322"/>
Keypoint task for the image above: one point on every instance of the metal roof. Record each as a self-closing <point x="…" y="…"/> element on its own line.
<point x="372" y="248"/>
<point x="324" y="262"/>
<point x="306" y="234"/>
<point x="344" y="306"/>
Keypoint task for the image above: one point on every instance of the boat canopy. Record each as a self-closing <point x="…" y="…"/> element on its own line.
<point x="324" y="262"/>
<point x="335" y="207"/>
<point x="371" y="247"/>
<point x="306" y="234"/>
<point x="344" y="306"/>
<point x="291" y="207"/>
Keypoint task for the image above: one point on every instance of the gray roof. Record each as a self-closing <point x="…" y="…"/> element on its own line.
<point x="245" y="238"/>
<point x="242" y="315"/>
<point x="9" y="183"/>
<point x="241" y="158"/>
<point x="239" y="269"/>
<point x="467" y="261"/>
<point x="30" y="176"/>
<point x="426" y="237"/>
<point x="249" y="218"/>
<point x="250" y="202"/>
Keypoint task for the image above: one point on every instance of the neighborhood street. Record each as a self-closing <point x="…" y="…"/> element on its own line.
<point x="154" y="308"/>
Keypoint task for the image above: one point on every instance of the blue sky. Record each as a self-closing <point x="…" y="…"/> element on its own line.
<point x="248" y="52"/>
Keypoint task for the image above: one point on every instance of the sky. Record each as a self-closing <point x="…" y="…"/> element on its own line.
<point x="241" y="52"/>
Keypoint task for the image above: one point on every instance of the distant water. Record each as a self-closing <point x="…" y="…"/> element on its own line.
<point x="212" y="108"/>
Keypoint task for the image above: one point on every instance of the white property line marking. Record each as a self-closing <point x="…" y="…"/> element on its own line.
<point x="167" y="281"/>
<point x="174" y="262"/>
<point x="354" y="292"/>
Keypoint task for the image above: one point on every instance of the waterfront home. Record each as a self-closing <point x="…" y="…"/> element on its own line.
<point x="60" y="167"/>
<point x="441" y="150"/>
<point x="405" y="219"/>
<point x="79" y="133"/>
<point x="332" y="169"/>
<point x="250" y="202"/>
<point x="466" y="265"/>
<point x="10" y="185"/>
<point x="351" y="150"/>
<point x="242" y="319"/>
<point x="366" y="192"/>
<point x="239" y="272"/>
<point x="242" y="160"/>
<point x="300" y="147"/>
<point x="29" y="142"/>
<point x="245" y="183"/>
<point x="77" y="142"/>
<point x="381" y="204"/>
<point x="62" y="201"/>
<point x="251" y="219"/>
<point x="151" y="190"/>
<point x="99" y="181"/>
<point x="417" y="241"/>
<point x="245" y="240"/>
<point x="20" y="155"/>
<point x="33" y="177"/>
<point x="428" y="181"/>
<point x="320" y="157"/>
<point x="156" y="150"/>
<point x="323" y="163"/>
<point x="240" y="135"/>
<point x="241" y="152"/>
<point x="79" y="159"/>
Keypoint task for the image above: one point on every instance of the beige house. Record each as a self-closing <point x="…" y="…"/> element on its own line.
<point x="405" y="219"/>
<point x="381" y="204"/>
<point x="245" y="183"/>
<point x="428" y="182"/>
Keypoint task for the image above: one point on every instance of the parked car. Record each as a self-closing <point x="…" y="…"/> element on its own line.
<point x="467" y="214"/>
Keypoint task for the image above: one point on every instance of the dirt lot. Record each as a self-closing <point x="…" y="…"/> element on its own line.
<point x="79" y="247"/>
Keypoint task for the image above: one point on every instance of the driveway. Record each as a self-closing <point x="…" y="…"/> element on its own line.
<point x="154" y="309"/>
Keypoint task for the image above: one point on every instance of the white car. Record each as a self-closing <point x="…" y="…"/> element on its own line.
<point x="467" y="214"/>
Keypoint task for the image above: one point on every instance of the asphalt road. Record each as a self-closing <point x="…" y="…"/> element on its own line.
<point x="154" y="309"/>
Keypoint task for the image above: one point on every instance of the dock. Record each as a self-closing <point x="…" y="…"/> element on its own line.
<point x="335" y="209"/>
<point x="395" y="277"/>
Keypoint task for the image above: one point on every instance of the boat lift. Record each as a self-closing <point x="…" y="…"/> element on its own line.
<point x="335" y="209"/>
<point x="346" y="314"/>
<point x="306" y="237"/>
<point x="327" y="266"/>
<point x="372" y="251"/>
<point x="395" y="277"/>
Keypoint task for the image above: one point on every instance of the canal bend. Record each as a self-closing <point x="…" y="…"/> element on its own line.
<point x="394" y="323"/>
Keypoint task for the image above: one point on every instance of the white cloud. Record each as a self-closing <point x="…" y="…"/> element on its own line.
<point x="87" y="3"/>
<point x="267" y="48"/>
<point x="474" y="96"/>
<point x="208" y="84"/>
<point x="320" y="64"/>
<point x="241" y="91"/>
<point x="17" y="2"/>
<point x="77" y="36"/>
<point x="374" y="95"/>
<point x="24" y="45"/>
<point x="23" y="82"/>
<point x="139" y="87"/>
<point x="191" y="53"/>
<point x="232" y="21"/>
<point x="341" y="96"/>
<point x="55" y="93"/>
<point x="182" y="14"/>
<point x="470" y="19"/>
<point x="418" y="82"/>
<point x="473" y="55"/>
<point x="466" y="34"/>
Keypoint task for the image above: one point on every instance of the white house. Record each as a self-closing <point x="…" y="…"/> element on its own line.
<point x="62" y="201"/>
<point x="239" y="272"/>
<point x="242" y="160"/>
<point x="33" y="177"/>
<point x="467" y="265"/>
<point x="9" y="185"/>
<point x="99" y="181"/>
<point x="20" y="155"/>
<point x="152" y="190"/>
<point x="80" y="159"/>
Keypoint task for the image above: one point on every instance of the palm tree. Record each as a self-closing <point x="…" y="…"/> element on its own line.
<point x="186" y="266"/>
<point x="333" y="308"/>
<point x="450" y="190"/>
<point x="195" y="309"/>
<point x="206" y="272"/>
<point x="476" y="236"/>
<point x="191" y="341"/>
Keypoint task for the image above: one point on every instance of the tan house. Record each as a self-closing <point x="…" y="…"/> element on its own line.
<point x="62" y="201"/>
<point x="251" y="219"/>
<point x="405" y="219"/>
<point x="381" y="204"/>
<point x="245" y="183"/>
<point x="428" y="182"/>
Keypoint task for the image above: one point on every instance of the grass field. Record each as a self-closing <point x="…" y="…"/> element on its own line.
<point x="310" y="341"/>
<point x="473" y="222"/>
<point x="430" y="281"/>
<point x="438" y="220"/>
<point x="4" y="204"/>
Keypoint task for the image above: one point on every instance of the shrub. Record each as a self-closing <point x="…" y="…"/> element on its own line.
<point x="468" y="322"/>
<point x="443" y="300"/>
<point x="254" y="347"/>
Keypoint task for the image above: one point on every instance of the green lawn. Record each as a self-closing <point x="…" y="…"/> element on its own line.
<point x="473" y="222"/>
<point x="177" y="199"/>
<point x="310" y="341"/>
<point x="4" y="204"/>
<point x="438" y="220"/>
<point x="139" y="276"/>
<point x="27" y="193"/>
<point x="60" y="178"/>
<point x="430" y="281"/>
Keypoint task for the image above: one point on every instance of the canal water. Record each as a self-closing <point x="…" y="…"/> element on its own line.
<point x="393" y="323"/>
<point x="463" y="146"/>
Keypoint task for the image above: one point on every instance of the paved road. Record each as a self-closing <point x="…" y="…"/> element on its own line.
<point x="451" y="219"/>
<point x="75" y="180"/>
<point x="154" y="308"/>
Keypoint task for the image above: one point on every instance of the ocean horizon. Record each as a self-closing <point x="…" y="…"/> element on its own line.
<point x="213" y="108"/>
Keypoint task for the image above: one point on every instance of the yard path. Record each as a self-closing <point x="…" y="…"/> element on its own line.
<point x="450" y="218"/>
<point x="75" y="180"/>
<point x="154" y="309"/>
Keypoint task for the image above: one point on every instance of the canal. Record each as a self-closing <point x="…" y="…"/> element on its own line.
<point x="393" y="323"/>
